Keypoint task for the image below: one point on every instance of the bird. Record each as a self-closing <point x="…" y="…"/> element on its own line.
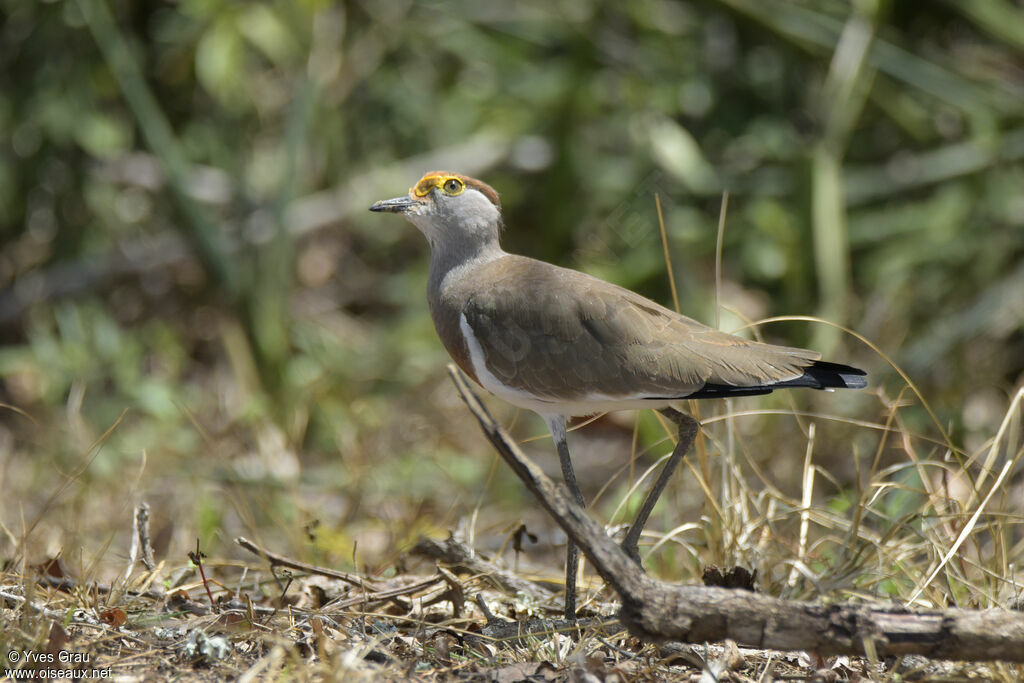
<point x="562" y="343"/>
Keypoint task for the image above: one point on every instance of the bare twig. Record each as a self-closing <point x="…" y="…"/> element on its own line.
<point x="455" y="592"/>
<point x="197" y="556"/>
<point x="32" y="607"/>
<point x="276" y="560"/>
<point x="140" y="541"/>
<point x="370" y="594"/>
<point x="391" y="594"/>
<point x="456" y="554"/>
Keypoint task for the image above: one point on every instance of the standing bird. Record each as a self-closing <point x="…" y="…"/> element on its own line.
<point x="562" y="343"/>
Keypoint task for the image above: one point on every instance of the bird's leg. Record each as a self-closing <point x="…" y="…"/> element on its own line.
<point x="556" y="423"/>
<point x="688" y="428"/>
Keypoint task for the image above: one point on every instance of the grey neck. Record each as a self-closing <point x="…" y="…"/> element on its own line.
<point x="463" y="256"/>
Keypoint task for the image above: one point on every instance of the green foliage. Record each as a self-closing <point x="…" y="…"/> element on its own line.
<point x="182" y="196"/>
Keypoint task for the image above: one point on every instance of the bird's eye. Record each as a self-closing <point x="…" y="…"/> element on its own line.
<point x="453" y="186"/>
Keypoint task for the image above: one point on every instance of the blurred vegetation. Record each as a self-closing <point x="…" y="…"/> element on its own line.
<point x="196" y="309"/>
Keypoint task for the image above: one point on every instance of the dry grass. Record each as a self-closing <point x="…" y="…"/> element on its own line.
<point x="921" y="522"/>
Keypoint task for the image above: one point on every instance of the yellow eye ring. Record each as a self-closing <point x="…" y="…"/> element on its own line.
<point x="450" y="185"/>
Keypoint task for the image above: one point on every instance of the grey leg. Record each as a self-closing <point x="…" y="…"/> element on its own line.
<point x="688" y="428"/>
<point x="556" y="423"/>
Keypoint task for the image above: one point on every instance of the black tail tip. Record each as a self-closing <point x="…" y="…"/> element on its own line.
<point x="837" y="376"/>
<point x="854" y="381"/>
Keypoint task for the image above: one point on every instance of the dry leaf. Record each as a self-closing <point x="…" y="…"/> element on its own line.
<point x="114" y="617"/>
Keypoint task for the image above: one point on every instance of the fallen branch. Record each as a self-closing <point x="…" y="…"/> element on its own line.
<point x="659" y="611"/>
<point x="277" y="560"/>
<point x="371" y="593"/>
<point x="393" y="595"/>
<point x="457" y="554"/>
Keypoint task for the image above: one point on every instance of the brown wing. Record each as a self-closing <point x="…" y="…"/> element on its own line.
<point x="543" y="328"/>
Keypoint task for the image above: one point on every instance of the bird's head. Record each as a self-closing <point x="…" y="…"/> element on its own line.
<point x="449" y="207"/>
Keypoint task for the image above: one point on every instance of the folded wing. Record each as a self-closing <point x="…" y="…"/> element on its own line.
<point x="544" y="329"/>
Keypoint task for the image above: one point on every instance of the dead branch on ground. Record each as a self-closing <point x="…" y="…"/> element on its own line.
<point x="457" y="554"/>
<point x="277" y="560"/>
<point x="659" y="611"/>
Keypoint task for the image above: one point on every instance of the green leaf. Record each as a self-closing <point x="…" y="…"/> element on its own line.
<point x="220" y="62"/>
